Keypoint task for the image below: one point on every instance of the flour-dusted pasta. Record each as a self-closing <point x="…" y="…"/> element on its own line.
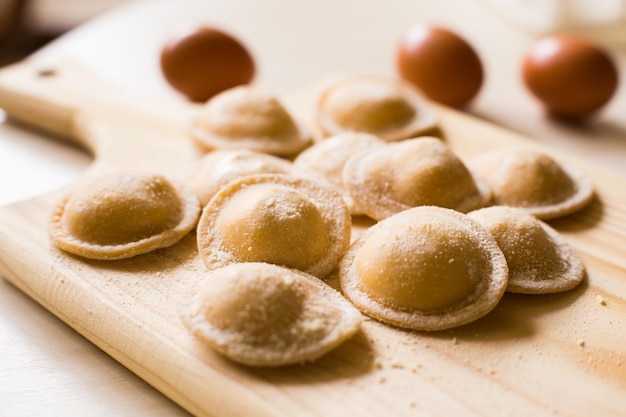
<point x="390" y="109"/>
<point x="426" y="268"/>
<point x="280" y="219"/>
<point x="540" y="260"/>
<point x="245" y="118"/>
<point x="123" y="214"/>
<point x="261" y="314"/>
<point x="534" y="181"/>
<point x="415" y="172"/>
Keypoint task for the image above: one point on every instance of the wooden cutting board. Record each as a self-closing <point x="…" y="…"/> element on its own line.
<point x="562" y="354"/>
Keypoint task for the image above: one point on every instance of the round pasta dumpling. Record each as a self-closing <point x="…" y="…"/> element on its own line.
<point x="261" y="314"/>
<point x="426" y="268"/>
<point x="390" y="109"/>
<point x="414" y="172"/>
<point x="278" y="219"/>
<point x="123" y="214"/>
<point x="245" y="118"/>
<point x="540" y="261"/>
<point x="534" y="181"/>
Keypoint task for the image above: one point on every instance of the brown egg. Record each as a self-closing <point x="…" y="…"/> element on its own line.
<point x="571" y="76"/>
<point x="204" y="61"/>
<point x="440" y="63"/>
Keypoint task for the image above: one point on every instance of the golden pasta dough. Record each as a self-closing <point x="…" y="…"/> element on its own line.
<point x="244" y="118"/>
<point x="279" y="219"/>
<point x="533" y="180"/>
<point x="390" y="109"/>
<point x="123" y="214"/>
<point x="426" y="268"/>
<point x="219" y="167"/>
<point x="261" y="314"/>
<point x="540" y="260"/>
<point x="414" y="172"/>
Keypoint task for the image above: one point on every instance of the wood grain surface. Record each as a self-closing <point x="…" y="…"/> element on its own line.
<point x="560" y="354"/>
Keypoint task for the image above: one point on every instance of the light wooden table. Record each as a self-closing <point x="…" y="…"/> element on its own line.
<point x="45" y="367"/>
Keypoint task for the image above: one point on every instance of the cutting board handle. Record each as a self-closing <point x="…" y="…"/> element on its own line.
<point x="33" y="95"/>
<point x="119" y="129"/>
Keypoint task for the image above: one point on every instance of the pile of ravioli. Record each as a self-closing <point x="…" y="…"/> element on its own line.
<point x="272" y="203"/>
